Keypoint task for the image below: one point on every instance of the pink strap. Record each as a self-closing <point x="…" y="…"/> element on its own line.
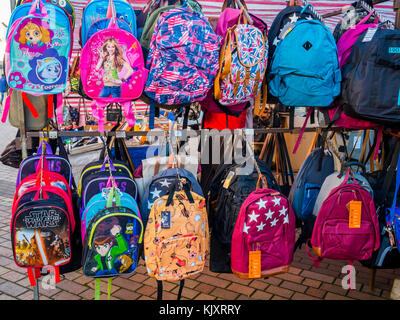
<point x="94" y="107"/>
<point x="6" y="108"/>
<point x="101" y="119"/>
<point x="303" y="128"/>
<point x="43" y="9"/>
<point x="366" y="18"/>
<point x="129" y="113"/>
<point x="60" y="118"/>
<point x="378" y="142"/>
<point x="32" y="278"/>
<point x="317" y="261"/>
<point x="111" y="182"/>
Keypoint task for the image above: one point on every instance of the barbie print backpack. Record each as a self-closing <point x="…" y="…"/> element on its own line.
<point x="112" y="70"/>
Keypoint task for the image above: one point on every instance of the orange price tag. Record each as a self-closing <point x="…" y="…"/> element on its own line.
<point x="254" y="264"/>
<point x="354" y="208"/>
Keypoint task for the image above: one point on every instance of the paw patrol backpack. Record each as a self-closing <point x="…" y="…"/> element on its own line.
<point x="176" y="240"/>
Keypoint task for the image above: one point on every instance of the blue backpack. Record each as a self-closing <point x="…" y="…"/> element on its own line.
<point x="305" y="69"/>
<point x="161" y="185"/>
<point x="95" y="18"/>
<point x="306" y="187"/>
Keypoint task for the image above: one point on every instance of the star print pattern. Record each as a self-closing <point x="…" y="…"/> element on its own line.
<point x="267" y="212"/>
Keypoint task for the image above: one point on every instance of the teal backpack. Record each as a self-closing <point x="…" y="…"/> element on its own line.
<point x="305" y="69"/>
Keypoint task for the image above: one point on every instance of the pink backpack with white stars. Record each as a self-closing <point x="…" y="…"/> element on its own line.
<point x="264" y="235"/>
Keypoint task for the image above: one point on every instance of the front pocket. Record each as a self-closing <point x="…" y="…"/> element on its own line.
<point x="274" y="253"/>
<point x="344" y="243"/>
<point x="179" y="257"/>
<point x="311" y="192"/>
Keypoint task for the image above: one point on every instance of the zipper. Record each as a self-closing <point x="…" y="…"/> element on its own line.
<point x="93" y="227"/>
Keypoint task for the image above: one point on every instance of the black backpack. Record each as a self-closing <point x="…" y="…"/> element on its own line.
<point x="231" y="192"/>
<point x="370" y="78"/>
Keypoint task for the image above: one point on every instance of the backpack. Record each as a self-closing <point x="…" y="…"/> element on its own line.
<point x="374" y="59"/>
<point x="177" y="74"/>
<point x="335" y="179"/>
<point x="42" y="224"/>
<point x="121" y="80"/>
<point x="347" y="226"/>
<point x="3" y="84"/>
<point x="176" y="240"/>
<point x="345" y="45"/>
<point x="66" y="5"/>
<point x="304" y="69"/>
<point x="160" y="186"/>
<point x="306" y="187"/>
<point x="112" y="238"/>
<point x="43" y="67"/>
<point x="98" y="10"/>
<point x="243" y="62"/>
<point x="260" y="228"/>
<point x="225" y="198"/>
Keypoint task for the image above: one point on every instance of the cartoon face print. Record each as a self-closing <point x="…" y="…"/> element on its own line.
<point x="49" y="70"/>
<point x="34" y="35"/>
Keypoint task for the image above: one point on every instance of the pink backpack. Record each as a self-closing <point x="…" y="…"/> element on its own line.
<point x="112" y="70"/>
<point x="266" y="223"/>
<point x="332" y="236"/>
<point x="345" y="44"/>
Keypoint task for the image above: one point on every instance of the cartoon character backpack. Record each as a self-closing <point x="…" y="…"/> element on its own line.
<point x="347" y="225"/>
<point x="96" y="16"/>
<point x="38" y="49"/>
<point x="176" y="240"/>
<point x="243" y="62"/>
<point x="112" y="70"/>
<point x="112" y="239"/>
<point x="264" y="235"/>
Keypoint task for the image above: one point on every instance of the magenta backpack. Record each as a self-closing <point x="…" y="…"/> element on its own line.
<point x="112" y="70"/>
<point x="345" y="44"/>
<point x="332" y="236"/>
<point x="266" y="223"/>
<point x="229" y="17"/>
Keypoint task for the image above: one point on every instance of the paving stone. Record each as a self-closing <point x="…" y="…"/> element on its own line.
<point x="11" y="289"/>
<point x="261" y="295"/>
<point x="301" y="296"/>
<point x="280" y="291"/>
<point x="317" y="276"/>
<point x="293" y="286"/>
<point x="124" y="294"/>
<point x="224" y="294"/>
<point x="246" y="290"/>
<point x="203" y="296"/>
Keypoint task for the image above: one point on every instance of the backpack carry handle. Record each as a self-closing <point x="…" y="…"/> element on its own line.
<point x="44" y="147"/>
<point x="350" y="164"/>
<point x="173" y="190"/>
<point x="114" y="194"/>
<point x="38" y="4"/>
<point x="262" y="180"/>
<point x="111" y="165"/>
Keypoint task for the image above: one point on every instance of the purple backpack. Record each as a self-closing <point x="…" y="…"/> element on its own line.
<point x="183" y="57"/>
<point x="266" y="223"/>
<point x="112" y="69"/>
<point x="335" y="236"/>
<point x="229" y="17"/>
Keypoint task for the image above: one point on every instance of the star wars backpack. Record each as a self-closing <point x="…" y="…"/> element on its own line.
<point x="176" y="240"/>
<point x="264" y="235"/>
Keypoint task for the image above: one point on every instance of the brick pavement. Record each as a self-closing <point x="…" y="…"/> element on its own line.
<point x="302" y="282"/>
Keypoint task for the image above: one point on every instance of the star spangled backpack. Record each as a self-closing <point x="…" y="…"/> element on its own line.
<point x="347" y="226"/>
<point x="264" y="235"/>
<point x="176" y="240"/>
<point x="304" y="69"/>
<point x="112" y="238"/>
<point x="112" y="70"/>
<point x="183" y="59"/>
<point x="160" y="186"/>
<point x="96" y="16"/>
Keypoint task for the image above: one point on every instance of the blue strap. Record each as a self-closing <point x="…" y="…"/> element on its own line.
<point x="398" y="99"/>
<point x="393" y="208"/>
<point x="152" y="114"/>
